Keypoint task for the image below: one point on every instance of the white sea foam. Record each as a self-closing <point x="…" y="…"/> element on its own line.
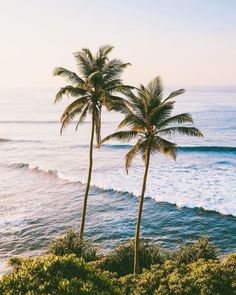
<point x="203" y="188"/>
<point x="207" y="188"/>
<point x="12" y="221"/>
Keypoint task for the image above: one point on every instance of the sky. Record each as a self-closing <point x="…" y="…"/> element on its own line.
<point x="186" y="42"/>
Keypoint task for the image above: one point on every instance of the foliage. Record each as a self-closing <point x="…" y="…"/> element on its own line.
<point x="192" y="252"/>
<point x="203" y="277"/>
<point x="150" y="120"/>
<point x="192" y="269"/>
<point x="121" y="259"/>
<point x="54" y="275"/>
<point x="98" y="83"/>
<point x="71" y="243"/>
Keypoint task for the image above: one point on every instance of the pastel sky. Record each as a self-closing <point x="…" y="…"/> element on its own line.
<point x="187" y="42"/>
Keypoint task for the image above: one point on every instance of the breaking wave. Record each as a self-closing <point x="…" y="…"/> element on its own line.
<point x="106" y="186"/>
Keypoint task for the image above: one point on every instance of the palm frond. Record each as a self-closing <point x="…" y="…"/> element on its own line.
<point x="85" y="64"/>
<point x="161" y="113"/>
<point x="155" y="90"/>
<point x="138" y="104"/>
<point x="131" y="154"/>
<point x="104" y="50"/>
<point x="116" y="103"/>
<point x="77" y="104"/>
<point x="187" y="131"/>
<point x="112" y="84"/>
<point x="143" y="148"/>
<point x="122" y="136"/>
<point x="113" y="69"/>
<point x="164" y="146"/>
<point x="145" y="96"/>
<point x="69" y="91"/>
<point x="88" y="53"/>
<point x="93" y="75"/>
<point x="180" y="118"/>
<point x="82" y="116"/>
<point x="71" y="77"/>
<point x="134" y="122"/>
<point x="67" y="117"/>
<point x="120" y="88"/>
<point x="174" y="94"/>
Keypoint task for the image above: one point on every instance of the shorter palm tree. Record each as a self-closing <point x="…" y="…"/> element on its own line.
<point x="148" y="121"/>
<point x="97" y="85"/>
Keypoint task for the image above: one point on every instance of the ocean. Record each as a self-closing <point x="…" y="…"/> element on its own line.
<point x="42" y="177"/>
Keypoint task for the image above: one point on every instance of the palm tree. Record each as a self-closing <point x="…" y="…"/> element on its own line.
<point x="148" y="121"/>
<point x="98" y="84"/>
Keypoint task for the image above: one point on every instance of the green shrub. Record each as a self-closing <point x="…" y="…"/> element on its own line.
<point x="66" y="275"/>
<point x="71" y="243"/>
<point x="191" y="270"/>
<point x="230" y="263"/>
<point x="192" y="252"/>
<point x="211" y="277"/>
<point x="121" y="259"/>
<point x="128" y="284"/>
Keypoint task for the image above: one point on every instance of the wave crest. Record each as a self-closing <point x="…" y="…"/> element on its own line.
<point x="5" y="140"/>
<point x="205" y="149"/>
<point x="99" y="187"/>
<point x="34" y="169"/>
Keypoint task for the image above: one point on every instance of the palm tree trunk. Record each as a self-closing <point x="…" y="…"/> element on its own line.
<point x="141" y="200"/>
<point x="89" y="178"/>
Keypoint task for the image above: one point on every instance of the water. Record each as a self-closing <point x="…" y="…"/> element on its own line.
<point x="42" y="176"/>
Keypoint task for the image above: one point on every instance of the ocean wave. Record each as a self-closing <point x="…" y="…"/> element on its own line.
<point x="204" y="149"/>
<point x="34" y="168"/>
<point x="181" y="149"/>
<point x="5" y="140"/>
<point x="99" y="186"/>
<point x="181" y="202"/>
<point x="214" y="149"/>
<point x="18" y="140"/>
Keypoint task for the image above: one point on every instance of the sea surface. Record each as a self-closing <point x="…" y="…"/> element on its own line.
<point x="42" y="177"/>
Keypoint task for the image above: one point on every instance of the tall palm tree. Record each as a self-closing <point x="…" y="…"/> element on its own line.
<point x="148" y="121"/>
<point x="97" y="84"/>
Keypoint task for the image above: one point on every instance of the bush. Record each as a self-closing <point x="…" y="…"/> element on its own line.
<point x="54" y="275"/>
<point x="191" y="270"/>
<point x="71" y="243"/>
<point x="203" y="277"/>
<point x="192" y="252"/>
<point x="121" y="259"/>
<point x="128" y="284"/>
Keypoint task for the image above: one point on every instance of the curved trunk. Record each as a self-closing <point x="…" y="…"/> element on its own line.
<point x="141" y="200"/>
<point x="89" y="178"/>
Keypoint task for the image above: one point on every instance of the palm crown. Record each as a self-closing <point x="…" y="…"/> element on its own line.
<point x="98" y="85"/>
<point x="149" y="120"/>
